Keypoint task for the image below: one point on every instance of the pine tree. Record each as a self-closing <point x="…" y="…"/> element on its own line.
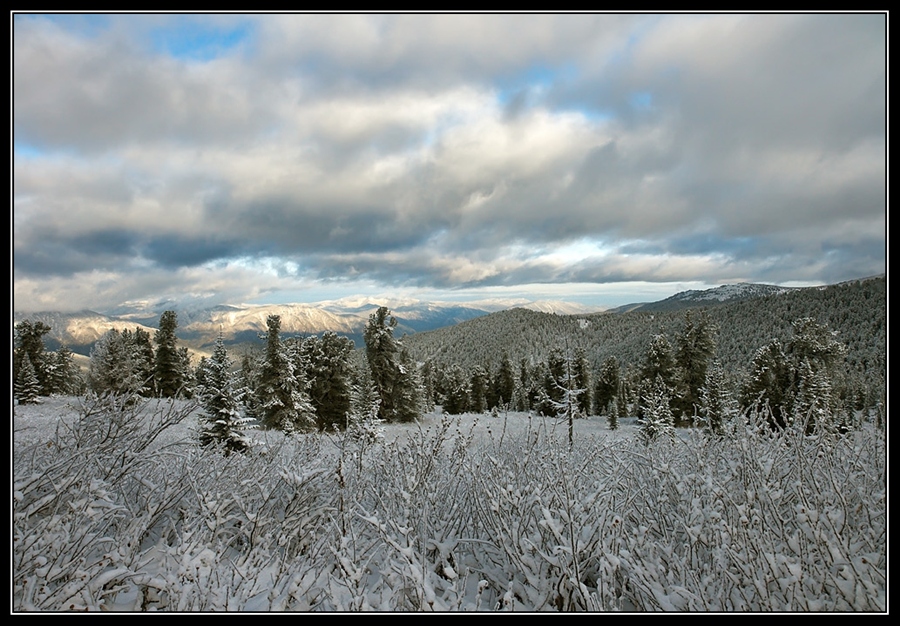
<point x="606" y="386"/>
<point x="283" y="398"/>
<point x="169" y="363"/>
<point x="456" y="391"/>
<point x="393" y="370"/>
<point x="364" y="400"/>
<point x="28" y="339"/>
<point x="26" y="387"/>
<point x="581" y="370"/>
<point x="768" y="384"/>
<point x="408" y="405"/>
<point x="112" y="369"/>
<point x="186" y="372"/>
<point x="428" y="388"/>
<point x="612" y="417"/>
<point x="250" y="370"/>
<point x="657" y="419"/>
<point x="622" y="401"/>
<point x="144" y="361"/>
<point x="506" y="381"/>
<point x="695" y="347"/>
<point x="812" y="404"/>
<point x="221" y="422"/>
<point x="659" y="363"/>
<point x="567" y="407"/>
<point x="715" y="405"/>
<point x="796" y="382"/>
<point x="65" y="375"/>
<point x="478" y="390"/>
<point x="328" y="370"/>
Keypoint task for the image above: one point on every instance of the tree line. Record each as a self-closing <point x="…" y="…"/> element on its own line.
<point x="294" y="385"/>
<point x="303" y="384"/>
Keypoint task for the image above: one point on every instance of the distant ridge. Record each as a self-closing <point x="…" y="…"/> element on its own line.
<point x="198" y="327"/>
<point x="708" y="297"/>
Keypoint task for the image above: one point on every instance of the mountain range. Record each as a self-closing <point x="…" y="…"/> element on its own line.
<point x="198" y="328"/>
<point x="238" y="324"/>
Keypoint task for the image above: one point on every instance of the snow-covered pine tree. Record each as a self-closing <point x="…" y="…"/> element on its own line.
<point x="188" y="381"/>
<point x="408" y="404"/>
<point x="659" y="362"/>
<point x="66" y="378"/>
<point x="26" y="387"/>
<point x="715" y="408"/>
<point x="581" y="370"/>
<point x="144" y="361"/>
<point x="768" y="384"/>
<point x="221" y="422"/>
<point x="283" y="399"/>
<point x="606" y="386"/>
<point x="112" y="368"/>
<point x="505" y="381"/>
<point x="456" y="391"/>
<point x="656" y="420"/>
<point x="812" y="403"/>
<point x="798" y="379"/>
<point x="478" y="390"/>
<point x="328" y="370"/>
<point x="169" y="369"/>
<point x="695" y="347"/>
<point x="428" y="389"/>
<point x="612" y="417"/>
<point x="28" y="338"/>
<point x="568" y="406"/>
<point x="393" y="372"/>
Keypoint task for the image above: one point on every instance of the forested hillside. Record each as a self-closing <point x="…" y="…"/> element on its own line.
<point x="855" y="310"/>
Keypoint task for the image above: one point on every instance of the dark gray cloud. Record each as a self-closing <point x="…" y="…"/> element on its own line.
<point x="242" y="155"/>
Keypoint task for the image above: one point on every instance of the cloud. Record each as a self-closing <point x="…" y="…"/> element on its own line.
<point x="444" y="151"/>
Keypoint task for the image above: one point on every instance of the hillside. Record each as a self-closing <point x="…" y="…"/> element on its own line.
<point x="857" y="310"/>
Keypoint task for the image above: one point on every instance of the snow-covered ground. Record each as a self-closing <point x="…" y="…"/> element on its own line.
<point x="118" y="510"/>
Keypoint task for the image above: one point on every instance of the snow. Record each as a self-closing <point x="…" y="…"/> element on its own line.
<point x="118" y="510"/>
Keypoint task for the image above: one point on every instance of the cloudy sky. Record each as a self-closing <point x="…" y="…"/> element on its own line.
<point x="596" y="158"/>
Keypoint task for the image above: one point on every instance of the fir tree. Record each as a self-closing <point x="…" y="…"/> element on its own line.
<point x="581" y="370"/>
<point x="112" y="370"/>
<point x="768" y="384"/>
<point x="478" y="390"/>
<point x="606" y="386"/>
<point x="695" y="347"/>
<point x="26" y="387"/>
<point x="327" y="362"/>
<point x="65" y="375"/>
<point x="428" y="387"/>
<point x="506" y="381"/>
<point x="28" y="339"/>
<point x="144" y="361"/>
<point x="408" y="405"/>
<point x="283" y="400"/>
<point x="657" y="419"/>
<point x="456" y="391"/>
<point x="221" y="422"/>
<point x="715" y="405"/>
<point x="169" y="369"/>
<point x="567" y="407"/>
<point x="393" y="370"/>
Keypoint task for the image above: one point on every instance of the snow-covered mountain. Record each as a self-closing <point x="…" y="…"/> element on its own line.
<point x="198" y="327"/>
<point x="79" y="329"/>
<point x="717" y="295"/>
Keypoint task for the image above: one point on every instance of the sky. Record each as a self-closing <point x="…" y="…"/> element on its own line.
<point x="595" y="158"/>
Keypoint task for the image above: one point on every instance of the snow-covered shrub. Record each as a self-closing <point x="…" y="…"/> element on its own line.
<point x="121" y="510"/>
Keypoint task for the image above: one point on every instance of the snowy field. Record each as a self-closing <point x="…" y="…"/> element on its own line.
<point x="116" y="509"/>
